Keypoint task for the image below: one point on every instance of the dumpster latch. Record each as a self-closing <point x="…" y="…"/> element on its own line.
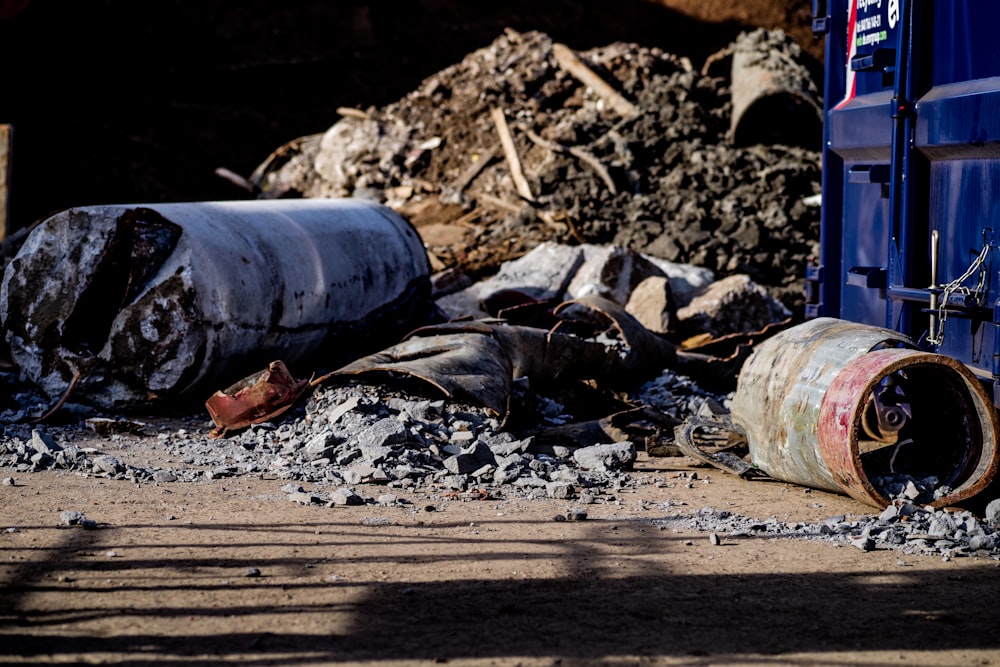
<point x="814" y="283"/>
<point x="821" y="18"/>
<point x="867" y="276"/>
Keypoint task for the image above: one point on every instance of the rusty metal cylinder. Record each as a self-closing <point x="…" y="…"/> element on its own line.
<point x="806" y="400"/>
<point x="155" y="301"/>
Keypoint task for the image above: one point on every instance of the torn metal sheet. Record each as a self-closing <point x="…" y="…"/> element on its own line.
<point x="463" y="364"/>
<point x="254" y="399"/>
<point x="640" y="424"/>
<point x="168" y="300"/>
<point x="716" y="442"/>
<point x="480" y="359"/>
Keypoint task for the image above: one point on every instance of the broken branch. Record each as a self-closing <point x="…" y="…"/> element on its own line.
<point x="235" y="179"/>
<point x="571" y="63"/>
<point x="497" y="203"/>
<point x="475" y="169"/>
<point x="582" y="155"/>
<point x="510" y="151"/>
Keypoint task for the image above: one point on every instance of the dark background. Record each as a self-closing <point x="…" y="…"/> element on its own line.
<point x="127" y="101"/>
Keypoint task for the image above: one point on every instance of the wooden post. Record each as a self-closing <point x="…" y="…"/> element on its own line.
<point x="6" y="135"/>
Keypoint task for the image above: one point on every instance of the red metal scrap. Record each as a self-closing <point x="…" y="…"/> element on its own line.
<point x="254" y="399"/>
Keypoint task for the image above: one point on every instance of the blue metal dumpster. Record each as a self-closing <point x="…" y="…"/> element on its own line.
<point x="911" y="177"/>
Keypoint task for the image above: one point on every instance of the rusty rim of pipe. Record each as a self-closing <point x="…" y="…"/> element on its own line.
<point x="843" y="409"/>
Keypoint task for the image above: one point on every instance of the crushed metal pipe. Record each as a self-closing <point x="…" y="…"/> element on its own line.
<point x="173" y="300"/>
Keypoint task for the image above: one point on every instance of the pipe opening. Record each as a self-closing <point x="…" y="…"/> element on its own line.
<point x="921" y="426"/>
<point x="141" y="242"/>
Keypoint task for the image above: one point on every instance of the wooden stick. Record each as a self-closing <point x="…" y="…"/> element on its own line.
<point x="351" y="112"/>
<point x="235" y="179"/>
<point x="62" y="401"/>
<point x="510" y="151"/>
<point x="580" y="154"/>
<point x="497" y="204"/>
<point x="475" y="169"/>
<point x="6" y="135"/>
<point x="571" y="63"/>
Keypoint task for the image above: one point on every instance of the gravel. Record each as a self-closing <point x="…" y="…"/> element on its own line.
<point x="346" y="436"/>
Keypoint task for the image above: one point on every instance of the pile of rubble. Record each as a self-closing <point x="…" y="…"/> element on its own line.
<point x="525" y="141"/>
<point x="649" y="220"/>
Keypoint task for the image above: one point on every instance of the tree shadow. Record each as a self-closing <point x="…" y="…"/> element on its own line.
<point x="598" y="590"/>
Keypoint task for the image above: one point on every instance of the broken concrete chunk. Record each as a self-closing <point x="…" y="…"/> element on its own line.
<point x="42" y="442"/>
<point x="992" y="514"/>
<point x="320" y="444"/>
<point x="344" y="496"/>
<point x="652" y="303"/>
<point x="732" y="305"/>
<point x="554" y="272"/>
<point x="71" y="517"/>
<point x="611" y="272"/>
<point x="604" y="458"/>
<point x="108" y="465"/>
<point x="167" y="300"/>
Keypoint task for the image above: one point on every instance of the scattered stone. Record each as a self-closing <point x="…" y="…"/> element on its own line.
<point x="387" y="499"/>
<point x="865" y="543"/>
<point x="76" y="518"/>
<point x="304" y="498"/>
<point x="251" y="572"/>
<point x="107" y="465"/>
<point x="344" y="496"/>
<point x="71" y="518"/>
<point x="731" y="305"/>
<point x="603" y="458"/>
<point x="576" y="514"/>
<point x="560" y="490"/>
<point x="375" y="521"/>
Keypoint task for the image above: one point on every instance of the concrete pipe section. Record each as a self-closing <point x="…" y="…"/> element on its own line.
<point x="153" y="301"/>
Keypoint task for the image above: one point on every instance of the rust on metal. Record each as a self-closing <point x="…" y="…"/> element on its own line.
<point x="952" y="431"/>
<point x="254" y="399"/>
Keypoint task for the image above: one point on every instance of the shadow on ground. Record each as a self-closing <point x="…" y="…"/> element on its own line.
<point x="602" y="592"/>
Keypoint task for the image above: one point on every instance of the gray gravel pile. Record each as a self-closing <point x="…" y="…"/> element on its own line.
<point x="903" y="526"/>
<point x="346" y="436"/>
<point x="352" y="434"/>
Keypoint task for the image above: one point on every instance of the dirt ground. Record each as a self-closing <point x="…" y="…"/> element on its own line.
<point x="228" y="570"/>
